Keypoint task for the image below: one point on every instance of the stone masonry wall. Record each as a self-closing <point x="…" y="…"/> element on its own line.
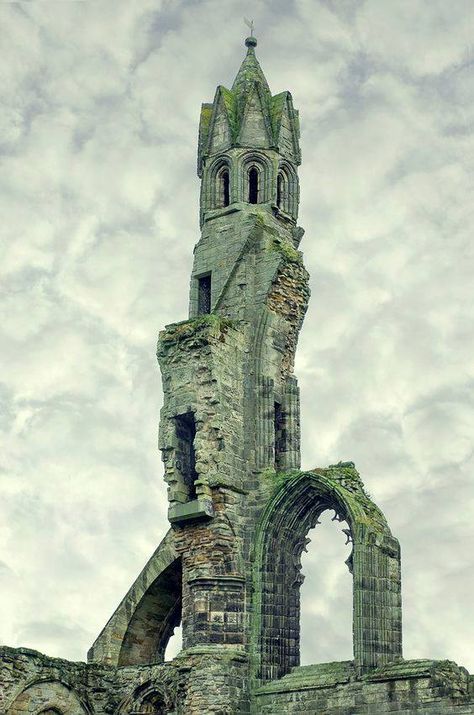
<point x="32" y="682"/>
<point x="406" y="688"/>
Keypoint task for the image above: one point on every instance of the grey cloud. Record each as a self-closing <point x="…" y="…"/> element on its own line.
<point x="100" y="206"/>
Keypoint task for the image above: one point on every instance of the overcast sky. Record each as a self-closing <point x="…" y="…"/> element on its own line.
<point x="99" y="215"/>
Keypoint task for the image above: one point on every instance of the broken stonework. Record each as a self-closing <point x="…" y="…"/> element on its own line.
<point x="240" y="506"/>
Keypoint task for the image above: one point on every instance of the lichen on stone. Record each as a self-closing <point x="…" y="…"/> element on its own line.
<point x="212" y="322"/>
<point x="285" y="249"/>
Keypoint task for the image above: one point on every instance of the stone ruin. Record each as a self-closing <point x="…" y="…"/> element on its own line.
<point x="240" y="506"/>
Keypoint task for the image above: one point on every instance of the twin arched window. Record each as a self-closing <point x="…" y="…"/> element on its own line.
<point x="254" y="177"/>
<point x="252" y="191"/>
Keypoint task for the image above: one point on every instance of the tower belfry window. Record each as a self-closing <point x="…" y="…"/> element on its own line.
<point x="225" y="188"/>
<point x="253" y="186"/>
<point x="204" y="294"/>
<point x="279" y="190"/>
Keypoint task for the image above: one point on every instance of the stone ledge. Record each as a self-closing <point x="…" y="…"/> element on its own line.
<point x="190" y="511"/>
<point x="311" y="677"/>
<point x="221" y="651"/>
<point x="211" y="579"/>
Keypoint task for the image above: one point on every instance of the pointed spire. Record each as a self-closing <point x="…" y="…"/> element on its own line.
<point x="250" y="73"/>
<point x="248" y="116"/>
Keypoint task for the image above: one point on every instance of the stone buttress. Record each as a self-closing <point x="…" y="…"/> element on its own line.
<point x="240" y="506"/>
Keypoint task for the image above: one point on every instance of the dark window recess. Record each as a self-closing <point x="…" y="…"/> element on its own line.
<point x="253" y="186"/>
<point x="185" y="455"/>
<point x="225" y="188"/>
<point x="279" y="190"/>
<point x="279" y="437"/>
<point x="153" y="705"/>
<point x="204" y="294"/>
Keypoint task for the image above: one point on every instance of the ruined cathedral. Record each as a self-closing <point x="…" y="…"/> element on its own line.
<point x="240" y="506"/>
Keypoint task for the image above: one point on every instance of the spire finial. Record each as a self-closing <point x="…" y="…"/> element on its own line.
<point x="250" y="41"/>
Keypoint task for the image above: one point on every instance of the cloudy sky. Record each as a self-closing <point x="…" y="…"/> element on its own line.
<point x="99" y="214"/>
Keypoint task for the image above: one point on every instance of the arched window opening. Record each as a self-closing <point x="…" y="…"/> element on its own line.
<point x="326" y="594"/>
<point x="279" y="190"/>
<point x="154" y="620"/>
<point x="204" y="294"/>
<point x="153" y="704"/>
<point x="225" y="188"/>
<point x="175" y="643"/>
<point x="253" y="185"/>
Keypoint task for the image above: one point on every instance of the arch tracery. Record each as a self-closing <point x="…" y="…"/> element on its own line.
<point x="217" y="184"/>
<point x="296" y="507"/>
<point x="287" y="195"/>
<point x="151" y="698"/>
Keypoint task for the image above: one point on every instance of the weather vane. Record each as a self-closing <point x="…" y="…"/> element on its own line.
<point x="250" y="24"/>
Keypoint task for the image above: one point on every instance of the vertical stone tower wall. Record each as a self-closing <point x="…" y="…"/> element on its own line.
<point x="228" y="370"/>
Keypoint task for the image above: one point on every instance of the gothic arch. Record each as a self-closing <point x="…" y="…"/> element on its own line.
<point x="45" y="696"/>
<point x="140" y="628"/>
<point x="212" y="188"/>
<point x="263" y="165"/>
<point x="151" y="698"/>
<point x="287" y="189"/>
<point x="153" y="622"/>
<point x="375" y="564"/>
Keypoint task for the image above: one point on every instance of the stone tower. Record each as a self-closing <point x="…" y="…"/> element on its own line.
<point x="240" y="506"/>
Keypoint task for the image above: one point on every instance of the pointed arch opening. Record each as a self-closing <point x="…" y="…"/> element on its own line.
<point x="299" y="501"/>
<point x="153" y="704"/>
<point x="279" y="190"/>
<point x="216" y="190"/>
<point x="253" y="185"/>
<point x="287" y="190"/>
<point x="255" y="178"/>
<point x="225" y="187"/>
<point x="155" y="618"/>
<point x="326" y="592"/>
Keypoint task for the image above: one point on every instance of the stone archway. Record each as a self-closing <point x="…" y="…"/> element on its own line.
<point x="299" y="500"/>
<point x="154" y="620"/>
<point x="47" y="697"/>
<point x="139" y="630"/>
<point x="157" y="697"/>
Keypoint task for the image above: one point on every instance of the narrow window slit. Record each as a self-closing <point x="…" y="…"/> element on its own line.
<point x="204" y="294"/>
<point x="279" y="190"/>
<point x="253" y="186"/>
<point x="225" y="188"/>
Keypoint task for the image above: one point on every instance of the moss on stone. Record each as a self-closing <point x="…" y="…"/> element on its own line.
<point x="285" y="249"/>
<point x="218" y="324"/>
<point x="276" y="479"/>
